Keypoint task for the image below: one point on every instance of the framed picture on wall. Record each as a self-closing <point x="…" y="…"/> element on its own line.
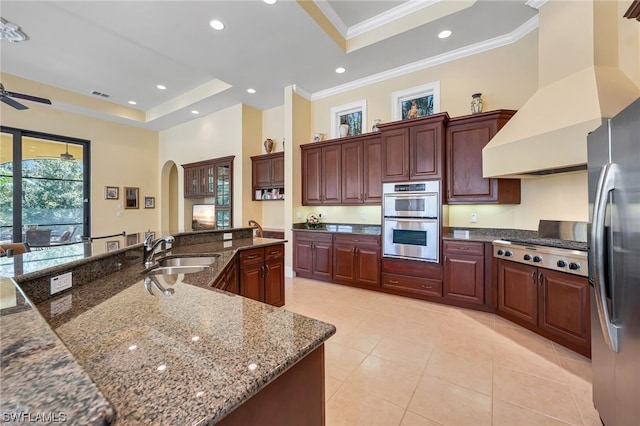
<point x="415" y="102"/>
<point x="111" y="193"/>
<point x="132" y="239"/>
<point x="349" y="119"/>
<point x="131" y="197"/>
<point x="112" y="245"/>
<point x="149" y="202"/>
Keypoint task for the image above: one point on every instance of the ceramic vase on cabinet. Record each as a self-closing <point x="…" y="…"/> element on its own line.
<point x="344" y="130"/>
<point x="476" y="103"/>
<point x="268" y="145"/>
<point x="375" y="124"/>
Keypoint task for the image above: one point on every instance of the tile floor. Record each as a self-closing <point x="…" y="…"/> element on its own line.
<point x="401" y="361"/>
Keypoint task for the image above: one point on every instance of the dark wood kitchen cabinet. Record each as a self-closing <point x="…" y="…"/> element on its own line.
<point x="361" y="179"/>
<point x="356" y="259"/>
<point x="212" y="179"/>
<point x="321" y="175"/>
<point x="267" y="173"/>
<point x="412" y="278"/>
<point x="554" y="304"/>
<point x="262" y="274"/>
<point x="466" y="136"/>
<point x="464" y="271"/>
<point x="313" y="254"/>
<point x="413" y="149"/>
<point x="228" y="278"/>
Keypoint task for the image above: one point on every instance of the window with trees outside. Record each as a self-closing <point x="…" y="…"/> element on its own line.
<point x="44" y="188"/>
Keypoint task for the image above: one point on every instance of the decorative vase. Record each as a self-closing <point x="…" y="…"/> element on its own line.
<point x="476" y="103"/>
<point x="344" y="130"/>
<point x="375" y="124"/>
<point x="268" y="145"/>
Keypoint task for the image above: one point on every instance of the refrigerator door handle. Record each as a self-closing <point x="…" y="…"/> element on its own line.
<point x="606" y="184"/>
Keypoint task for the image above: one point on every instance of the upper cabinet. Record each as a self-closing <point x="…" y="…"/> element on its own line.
<point x="212" y="178"/>
<point x="342" y="172"/>
<point x="413" y="149"/>
<point x="268" y="176"/>
<point x="466" y="136"/>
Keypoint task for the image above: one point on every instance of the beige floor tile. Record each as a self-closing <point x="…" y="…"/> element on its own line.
<point x="349" y="406"/>
<point x="413" y="419"/>
<point x="450" y="404"/>
<point x="520" y="358"/>
<point x="331" y="385"/>
<point x="405" y="351"/>
<point x="463" y="370"/>
<point x="535" y="393"/>
<point x="510" y="336"/>
<point x="584" y="400"/>
<point x="568" y="353"/>
<point x="505" y="414"/>
<point x="578" y="372"/>
<point x="389" y="380"/>
<point x="357" y="338"/>
<point x="484" y="317"/>
<point x="501" y="321"/>
<point x="340" y="361"/>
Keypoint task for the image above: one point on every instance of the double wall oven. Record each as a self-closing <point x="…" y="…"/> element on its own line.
<point x="411" y="220"/>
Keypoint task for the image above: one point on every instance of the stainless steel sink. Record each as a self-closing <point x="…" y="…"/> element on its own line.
<point x="173" y="270"/>
<point x="189" y="261"/>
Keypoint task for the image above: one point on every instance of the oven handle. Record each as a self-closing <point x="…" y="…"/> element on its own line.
<point x="411" y="218"/>
<point x="606" y="184"/>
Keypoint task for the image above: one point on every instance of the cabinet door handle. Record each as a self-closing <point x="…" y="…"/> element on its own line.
<point x="357" y="251"/>
<point x="540" y="278"/>
<point x="445" y="259"/>
<point x="393" y="281"/>
<point x="428" y="287"/>
<point x="534" y="278"/>
<point x="253" y="256"/>
<point x="274" y="252"/>
<point x="406" y="172"/>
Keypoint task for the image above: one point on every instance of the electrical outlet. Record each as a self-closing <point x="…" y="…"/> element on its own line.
<point x="364" y="215"/>
<point x="298" y="215"/>
<point x="474" y="218"/>
<point x="322" y="215"/>
<point x="60" y="282"/>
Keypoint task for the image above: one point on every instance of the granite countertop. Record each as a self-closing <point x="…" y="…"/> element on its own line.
<point x="340" y="228"/>
<point x="191" y="357"/>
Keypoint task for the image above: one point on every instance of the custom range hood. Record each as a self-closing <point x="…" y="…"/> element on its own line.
<point x="580" y="83"/>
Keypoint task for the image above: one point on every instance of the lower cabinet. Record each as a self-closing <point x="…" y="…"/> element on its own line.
<point x="228" y="279"/>
<point x="554" y="304"/>
<point x="313" y="254"/>
<point x="262" y="274"/>
<point x="356" y="259"/>
<point x="464" y="272"/>
<point x="411" y="277"/>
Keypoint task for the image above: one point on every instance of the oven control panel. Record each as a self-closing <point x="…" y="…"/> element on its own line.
<point x="562" y="260"/>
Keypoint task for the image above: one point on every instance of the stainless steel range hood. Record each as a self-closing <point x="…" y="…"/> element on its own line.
<point x="580" y="84"/>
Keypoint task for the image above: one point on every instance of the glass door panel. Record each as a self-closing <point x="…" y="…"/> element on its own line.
<point x="223" y="189"/>
<point x="223" y="219"/>
<point x="6" y="188"/>
<point x="52" y="191"/>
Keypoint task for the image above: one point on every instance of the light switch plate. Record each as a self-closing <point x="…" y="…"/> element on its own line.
<point x="60" y="282"/>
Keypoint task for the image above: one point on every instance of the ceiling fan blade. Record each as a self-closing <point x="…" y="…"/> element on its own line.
<point x="28" y="97"/>
<point x="17" y="105"/>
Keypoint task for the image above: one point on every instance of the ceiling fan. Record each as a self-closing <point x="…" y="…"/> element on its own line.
<point x="5" y="96"/>
<point x="64" y="156"/>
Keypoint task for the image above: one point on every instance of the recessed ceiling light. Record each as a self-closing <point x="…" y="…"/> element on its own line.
<point x="195" y="112"/>
<point x="132" y="102"/>
<point x="270" y="1"/>
<point x="444" y="34"/>
<point x="251" y="90"/>
<point x="340" y="70"/>
<point x="216" y="25"/>
<point x="161" y="87"/>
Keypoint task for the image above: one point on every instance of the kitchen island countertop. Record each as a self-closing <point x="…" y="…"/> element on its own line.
<point x="188" y="358"/>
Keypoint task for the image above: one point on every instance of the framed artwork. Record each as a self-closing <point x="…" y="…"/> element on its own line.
<point x="111" y="192"/>
<point x="416" y="101"/>
<point x="353" y="116"/>
<point x="112" y="245"/>
<point x="152" y="233"/>
<point x="131" y="197"/>
<point x="132" y="239"/>
<point x="149" y="202"/>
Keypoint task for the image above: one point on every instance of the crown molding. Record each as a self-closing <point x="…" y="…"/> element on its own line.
<point x="536" y="4"/>
<point x="453" y="55"/>
<point x="390" y="15"/>
<point x="332" y="16"/>
<point x="302" y="92"/>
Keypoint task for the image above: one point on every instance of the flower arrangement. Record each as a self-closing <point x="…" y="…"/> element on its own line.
<point x="313" y="221"/>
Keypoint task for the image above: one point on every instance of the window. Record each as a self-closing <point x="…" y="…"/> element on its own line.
<point x="44" y="188"/>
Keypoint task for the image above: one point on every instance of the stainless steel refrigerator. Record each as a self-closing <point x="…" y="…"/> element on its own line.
<point x="614" y="266"/>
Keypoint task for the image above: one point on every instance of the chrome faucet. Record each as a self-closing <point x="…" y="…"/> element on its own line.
<point x="153" y="280"/>
<point x="150" y="248"/>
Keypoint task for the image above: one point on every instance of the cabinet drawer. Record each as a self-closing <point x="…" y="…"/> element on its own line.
<point x="324" y="237"/>
<point x="356" y="239"/>
<point x="274" y="252"/>
<point x="463" y="247"/>
<point x="412" y="284"/>
<point x="249" y="257"/>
